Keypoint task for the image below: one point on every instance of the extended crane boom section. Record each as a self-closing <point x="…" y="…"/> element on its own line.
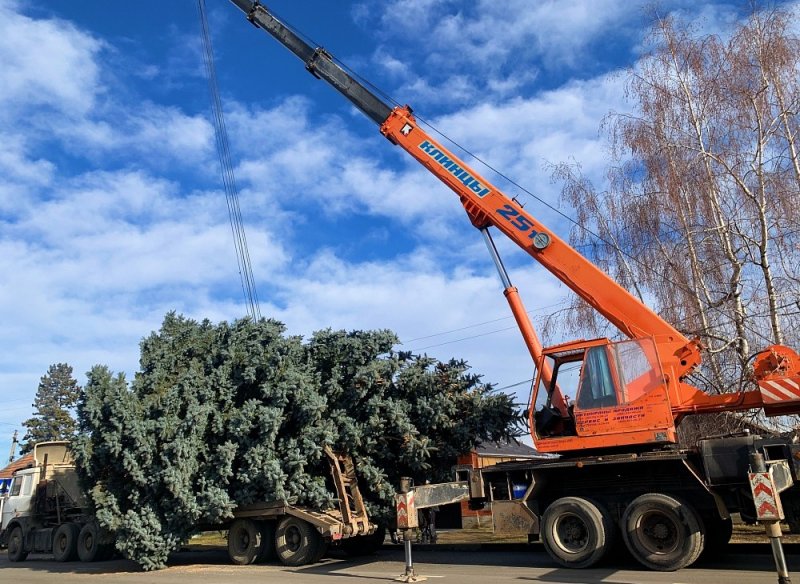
<point x="629" y="393"/>
<point x="318" y="62"/>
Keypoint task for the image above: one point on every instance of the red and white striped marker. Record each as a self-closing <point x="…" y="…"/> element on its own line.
<point x="780" y="390"/>
<point x="765" y="497"/>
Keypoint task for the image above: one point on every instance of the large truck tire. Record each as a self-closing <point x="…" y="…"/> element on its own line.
<point x="16" y="545"/>
<point x="662" y="532"/>
<point x="90" y="544"/>
<point x="577" y="532"/>
<point x="65" y="542"/>
<point x="267" y="551"/>
<point x="297" y="542"/>
<point x="244" y="542"/>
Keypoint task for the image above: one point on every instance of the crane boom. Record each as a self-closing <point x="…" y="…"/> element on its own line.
<point x="627" y="394"/>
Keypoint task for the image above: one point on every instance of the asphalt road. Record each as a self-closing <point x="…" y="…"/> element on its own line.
<point x="465" y="565"/>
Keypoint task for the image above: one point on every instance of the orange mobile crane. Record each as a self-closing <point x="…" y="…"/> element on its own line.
<point x="617" y="439"/>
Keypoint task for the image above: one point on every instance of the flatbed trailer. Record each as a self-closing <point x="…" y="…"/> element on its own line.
<point x="297" y="535"/>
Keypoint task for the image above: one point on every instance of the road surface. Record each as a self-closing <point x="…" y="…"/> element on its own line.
<point x="449" y="565"/>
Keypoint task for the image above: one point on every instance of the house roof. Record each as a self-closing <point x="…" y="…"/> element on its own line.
<point x="513" y="448"/>
<point x="23" y="462"/>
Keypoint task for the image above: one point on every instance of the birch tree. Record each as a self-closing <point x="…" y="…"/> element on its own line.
<point x="699" y="216"/>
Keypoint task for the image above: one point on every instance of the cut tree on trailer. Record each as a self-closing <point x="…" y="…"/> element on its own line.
<point x="223" y="418"/>
<point x="620" y="468"/>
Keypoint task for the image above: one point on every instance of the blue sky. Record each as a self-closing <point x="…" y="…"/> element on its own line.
<point x="111" y="207"/>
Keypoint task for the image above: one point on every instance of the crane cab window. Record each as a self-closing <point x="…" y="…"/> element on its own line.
<point x="584" y="379"/>
<point x="597" y="388"/>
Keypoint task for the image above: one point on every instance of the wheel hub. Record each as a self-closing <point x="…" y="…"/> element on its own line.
<point x="572" y="533"/>
<point x="660" y="534"/>
<point x="293" y="539"/>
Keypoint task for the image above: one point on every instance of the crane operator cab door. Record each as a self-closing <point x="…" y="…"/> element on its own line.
<point x="600" y="394"/>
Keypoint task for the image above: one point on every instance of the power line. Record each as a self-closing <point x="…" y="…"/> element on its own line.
<point x="510" y="328"/>
<point x="476" y="325"/>
<point x="523" y="382"/>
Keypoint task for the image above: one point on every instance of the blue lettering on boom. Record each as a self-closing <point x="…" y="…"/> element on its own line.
<point x="453" y="168"/>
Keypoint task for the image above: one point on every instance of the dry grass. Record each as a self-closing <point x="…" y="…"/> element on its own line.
<point x="209" y="539"/>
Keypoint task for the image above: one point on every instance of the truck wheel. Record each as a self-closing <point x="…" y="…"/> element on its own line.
<point x="296" y="541"/>
<point x="16" y="545"/>
<point x="267" y="551"/>
<point x="577" y="532"/>
<point x="662" y="532"/>
<point x="244" y="541"/>
<point x="89" y="548"/>
<point x="65" y="542"/>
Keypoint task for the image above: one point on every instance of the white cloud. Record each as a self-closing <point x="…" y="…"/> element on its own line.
<point x="46" y="63"/>
<point x="489" y="50"/>
<point x="16" y="164"/>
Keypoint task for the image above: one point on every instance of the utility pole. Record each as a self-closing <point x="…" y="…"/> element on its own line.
<point x="13" y="448"/>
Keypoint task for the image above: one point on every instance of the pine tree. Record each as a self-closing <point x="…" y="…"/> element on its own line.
<point x="229" y="414"/>
<point x="55" y="403"/>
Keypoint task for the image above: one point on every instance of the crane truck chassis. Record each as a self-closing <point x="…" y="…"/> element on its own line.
<point x="620" y="467"/>
<point x="46" y="511"/>
<point x="667" y="506"/>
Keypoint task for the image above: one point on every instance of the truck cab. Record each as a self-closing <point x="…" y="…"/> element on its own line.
<point x="44" y="509"/>
<point x="18" y="501"/>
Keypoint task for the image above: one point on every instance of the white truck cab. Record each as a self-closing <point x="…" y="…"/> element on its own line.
<point x="17" y="502"/>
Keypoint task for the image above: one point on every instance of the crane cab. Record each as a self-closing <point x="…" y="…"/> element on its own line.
<point x="600" y="394"/>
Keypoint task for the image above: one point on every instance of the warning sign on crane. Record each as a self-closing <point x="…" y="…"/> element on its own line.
<point x="765" y="497"/>
<point x="406" y="511"/>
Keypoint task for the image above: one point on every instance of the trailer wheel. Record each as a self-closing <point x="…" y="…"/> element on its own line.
<point x="244" y="541"/>
<point x="296" y="541"/>
<point x="16" y="546"/>
<point x="89" y="544"/>
<point x="65" y="542"/>
<point x="577" y="532"/>
<point x="662" y="532"/>
<point x="266" y="552"/>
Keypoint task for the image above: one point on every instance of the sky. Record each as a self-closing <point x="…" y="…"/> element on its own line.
<point x="112" y="211"/>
